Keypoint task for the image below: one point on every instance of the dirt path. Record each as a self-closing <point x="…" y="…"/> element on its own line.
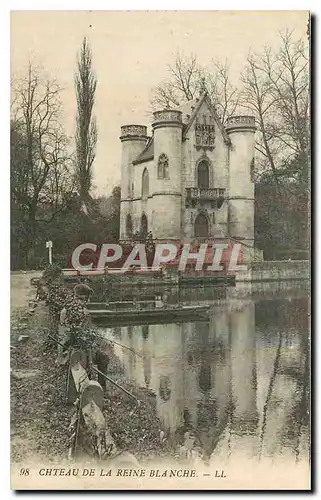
<point x="21" y="289"/>
<point x="39" y="416"/>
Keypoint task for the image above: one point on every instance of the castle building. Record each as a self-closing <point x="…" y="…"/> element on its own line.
<point x="192" y="179"/>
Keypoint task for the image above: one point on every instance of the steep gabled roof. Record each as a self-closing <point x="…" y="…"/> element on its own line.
<point x="205" y="98"/>
<point x="147" y="154"/>
<point x="189" y="112"/>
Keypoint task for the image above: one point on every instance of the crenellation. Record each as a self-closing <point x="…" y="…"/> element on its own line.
<point x="133" y="131"/>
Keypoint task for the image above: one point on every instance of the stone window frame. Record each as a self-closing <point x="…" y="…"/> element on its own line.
<point x="145" y="195"/>
<point x="143" y="215"/>
<point x="164" y="172"/>
<point x="210" y="171"/>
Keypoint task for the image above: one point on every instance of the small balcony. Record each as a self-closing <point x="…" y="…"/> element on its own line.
<point x="214" y="196"/>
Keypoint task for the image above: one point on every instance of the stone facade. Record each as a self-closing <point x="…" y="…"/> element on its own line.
<point x="191" y="180"/>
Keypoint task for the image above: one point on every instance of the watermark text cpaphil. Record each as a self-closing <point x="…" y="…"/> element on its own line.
<point x="216" y="257"/>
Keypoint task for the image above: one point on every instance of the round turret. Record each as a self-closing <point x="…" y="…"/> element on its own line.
<point x="166" y="178"/>
<point x="240" y="123"/>
<point x="167" y="118"/>
<point x="133" y="133"/>
<point x="241" y="131"/>
<point x="133" y="139"/>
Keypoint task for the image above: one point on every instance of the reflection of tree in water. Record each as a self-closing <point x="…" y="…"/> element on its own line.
<point x="297" y="424"/>
<point x="269" y="392"/>
<point x="208" y="427"/>
<point x="206" y="414"/>
<point x="205" y="370"/>
<point x="205" y="377"/>
<point x="247" y="423"/>
<point x="282" y="313"/>
<point x="295" y="428"/>
<point x="117" y="331"/>
<point x="145" y="332"/>
<point x="165" y="387"/>
<point x="190" y="359"/>
<point x="146" y="354"/>
<point x="131" y="355"/>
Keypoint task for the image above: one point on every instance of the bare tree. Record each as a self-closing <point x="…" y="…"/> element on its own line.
<point x="186" y="79"/>
<point x="86" y="133"/>
<point x="257" y="98"/>
<point x="182" y="85"/>
<point x="276" y="90"/>
<point x="225" y="95"/>
<point x="42" y="180"/>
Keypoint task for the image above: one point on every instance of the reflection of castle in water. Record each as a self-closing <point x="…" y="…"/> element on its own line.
<point x="210" y="376"/>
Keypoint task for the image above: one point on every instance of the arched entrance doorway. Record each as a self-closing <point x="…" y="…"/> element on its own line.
<point x="201" y="229"/>
<point x="143" y="226"/>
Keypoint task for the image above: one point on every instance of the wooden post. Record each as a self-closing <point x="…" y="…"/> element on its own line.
<point x="77" y="377"/>
<point x="49" y="246"/>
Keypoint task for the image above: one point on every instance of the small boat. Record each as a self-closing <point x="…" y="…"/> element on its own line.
<point x="114" y="314"/>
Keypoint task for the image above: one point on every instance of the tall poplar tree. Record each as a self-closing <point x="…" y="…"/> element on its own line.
<point x="86" y="131"/>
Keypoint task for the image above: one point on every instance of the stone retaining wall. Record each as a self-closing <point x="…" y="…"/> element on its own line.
<point x="275" y="271"/>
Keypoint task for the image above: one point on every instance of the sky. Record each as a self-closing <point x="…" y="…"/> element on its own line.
<point x="131" y="52"/>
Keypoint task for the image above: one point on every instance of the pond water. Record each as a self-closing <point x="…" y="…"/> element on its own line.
<point x="240" y="381"/>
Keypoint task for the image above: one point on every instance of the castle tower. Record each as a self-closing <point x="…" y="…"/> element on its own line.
<point x="241" y="130"/>
<point x="166" y="181"/>
<point x="133" y="139"/>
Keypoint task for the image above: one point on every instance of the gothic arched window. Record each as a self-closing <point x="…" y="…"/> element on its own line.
<point x="203" y="175"/>
<point x="129" y="226"/>
<point x="162" y="167"/>
<point x="145" y="184"/>
<point x="201" y="228"/>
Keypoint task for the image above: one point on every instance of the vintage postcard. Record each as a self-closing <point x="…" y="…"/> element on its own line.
<point x="160" y="288"/>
